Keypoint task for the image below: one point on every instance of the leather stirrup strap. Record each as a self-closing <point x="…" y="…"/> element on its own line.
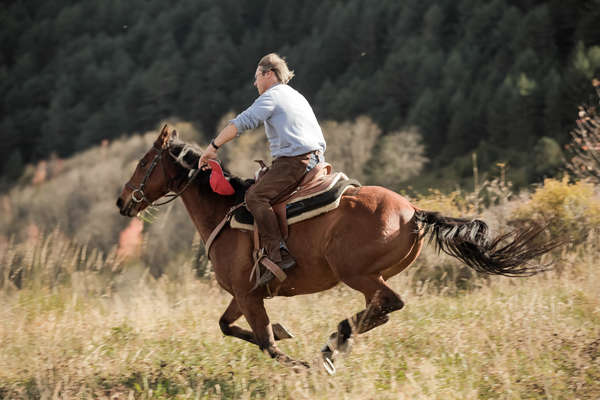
<point x="270" y="265"/>
<point x="256" y="240"/>
<point x="274" y="268"/>
<point x="261" y="258"/>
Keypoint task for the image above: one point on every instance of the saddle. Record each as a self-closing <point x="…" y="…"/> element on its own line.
<point x="319" y="191"/>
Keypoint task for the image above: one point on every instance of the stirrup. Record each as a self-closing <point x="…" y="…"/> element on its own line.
<point x="272" y="269"/>
<point x="268" y="274"/>
<point x="263" y="279"/>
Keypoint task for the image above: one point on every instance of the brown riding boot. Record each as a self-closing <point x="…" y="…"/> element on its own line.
<point x="287" y="261"/>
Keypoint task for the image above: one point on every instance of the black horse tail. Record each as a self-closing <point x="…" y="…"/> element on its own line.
<point x="469" y="241"/>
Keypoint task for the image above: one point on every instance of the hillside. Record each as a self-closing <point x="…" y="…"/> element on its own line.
<point x="499" y="78"/>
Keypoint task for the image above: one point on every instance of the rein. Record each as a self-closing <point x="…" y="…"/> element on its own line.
<point x="171" y="196"/>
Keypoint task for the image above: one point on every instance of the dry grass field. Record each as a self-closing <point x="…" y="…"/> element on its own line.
<point x="531" y="338"/>
<point x="76" y="321"/>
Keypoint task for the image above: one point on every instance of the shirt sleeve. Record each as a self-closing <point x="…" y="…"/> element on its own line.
<point x="257" y="113"/>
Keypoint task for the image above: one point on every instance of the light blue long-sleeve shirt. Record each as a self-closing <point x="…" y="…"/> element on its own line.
<point x="290" y="123"/>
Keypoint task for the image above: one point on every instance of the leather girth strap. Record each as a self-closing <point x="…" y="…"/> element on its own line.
<point x="213" y="235"/>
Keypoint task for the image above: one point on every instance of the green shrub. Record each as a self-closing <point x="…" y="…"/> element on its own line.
<point x="453" y="204"/>
<point x="548" y="157"/>
<point x="570" y="210"/>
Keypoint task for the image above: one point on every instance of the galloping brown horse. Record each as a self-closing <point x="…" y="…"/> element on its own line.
<point x="373" y="235"/>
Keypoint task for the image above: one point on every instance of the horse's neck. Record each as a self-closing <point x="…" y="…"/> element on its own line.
<point x="206" y="210"/>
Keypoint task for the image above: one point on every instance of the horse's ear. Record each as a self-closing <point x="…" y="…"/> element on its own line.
<point x="163" y="138"/>
<point x="164" y="131"/>
<point x="174" y="134"/>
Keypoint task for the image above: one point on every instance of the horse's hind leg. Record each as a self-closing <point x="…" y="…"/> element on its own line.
<point x="380" y="299"/>
<point x="232" y="313"/>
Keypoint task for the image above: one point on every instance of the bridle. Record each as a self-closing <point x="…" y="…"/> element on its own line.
<point x="138" y="195"/>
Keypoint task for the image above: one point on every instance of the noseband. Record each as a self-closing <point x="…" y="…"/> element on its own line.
<point x="138" y="195"/>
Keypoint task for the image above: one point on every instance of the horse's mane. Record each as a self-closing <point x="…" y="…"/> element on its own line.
<point x="189" y="161"/>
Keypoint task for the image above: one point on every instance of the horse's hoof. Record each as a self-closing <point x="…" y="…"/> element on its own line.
<point x="326" y="351"/>
<point x="328" y="365"/>
<point x="328" y="354"/>
<point x="280" y="332"/>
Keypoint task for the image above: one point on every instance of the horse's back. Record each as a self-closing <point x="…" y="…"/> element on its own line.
<point x="384" y="205"/>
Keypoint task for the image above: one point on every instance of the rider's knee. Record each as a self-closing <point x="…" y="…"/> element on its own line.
<point x="256" y="202"/>
<point x="252" y="198"/>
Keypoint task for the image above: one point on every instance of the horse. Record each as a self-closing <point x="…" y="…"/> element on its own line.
<point x="371" y="236"/>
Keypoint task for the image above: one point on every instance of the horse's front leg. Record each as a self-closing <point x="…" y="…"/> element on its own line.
<point x="233" y="312"/>
<point x="254" y="311"/>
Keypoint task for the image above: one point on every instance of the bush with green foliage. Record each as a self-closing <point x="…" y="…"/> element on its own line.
<point x="570" y="210"/>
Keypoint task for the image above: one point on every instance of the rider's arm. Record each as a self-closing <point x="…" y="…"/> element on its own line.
<point x="210" y="153"/>
<point x="260" y="111"/>
<point x="227" y="134"/>
<point x="252" y="117"/>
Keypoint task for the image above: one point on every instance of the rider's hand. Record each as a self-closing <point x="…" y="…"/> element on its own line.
<point x="210" y="153"/>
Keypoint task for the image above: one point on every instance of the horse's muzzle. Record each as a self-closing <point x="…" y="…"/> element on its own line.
<point x="126" y="208"/>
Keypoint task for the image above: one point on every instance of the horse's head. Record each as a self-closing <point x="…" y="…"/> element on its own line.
<point x="165" y="167"/>
<point x="152" y="178"/>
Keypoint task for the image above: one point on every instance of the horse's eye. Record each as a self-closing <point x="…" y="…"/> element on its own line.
<point x="142" y="163"/>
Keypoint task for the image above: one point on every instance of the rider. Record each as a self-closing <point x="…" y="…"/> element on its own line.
<point x="296" y="142"/>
